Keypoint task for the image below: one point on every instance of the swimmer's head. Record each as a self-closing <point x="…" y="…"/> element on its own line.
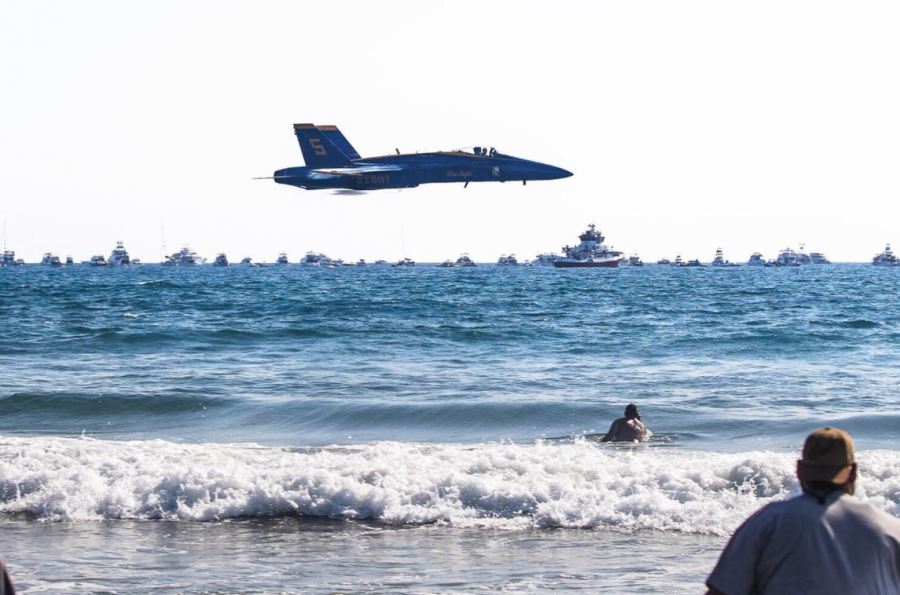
<point x="631" y="412"/>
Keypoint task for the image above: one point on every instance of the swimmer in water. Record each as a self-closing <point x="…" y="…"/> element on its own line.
<point x="629" y="428"/>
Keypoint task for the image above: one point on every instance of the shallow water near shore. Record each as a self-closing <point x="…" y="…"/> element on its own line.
<point x="422" y="429"/>
<point x="290" y="555"/>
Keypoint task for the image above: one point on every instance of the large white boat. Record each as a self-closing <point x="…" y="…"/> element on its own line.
<point x="590" y="253"/>
<point x="788" y="258"/>
<point x="818" y="258"/>
<point x="720" y="261"/>
<point x="184" y="257"/>
<point x="9" y="259"/>
<point x="465" y="261"/>
<point x="282" y="258"/>
<point x="313" y="259"/>
<point x="509" y="260"/>
<point x="221" y="260"/>
<point x="98" y="261"/>
<point x="119" y="256"/>
<point x="51" y="260"/>
<point x="546" y="259"/>
<point x="887" y="258"/>
<point x="757" y="260"/>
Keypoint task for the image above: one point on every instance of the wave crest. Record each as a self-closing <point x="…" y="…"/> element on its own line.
<point x="580" y="485"/>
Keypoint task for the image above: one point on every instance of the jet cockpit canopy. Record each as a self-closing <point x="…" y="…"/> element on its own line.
<point x="485" y="151"/>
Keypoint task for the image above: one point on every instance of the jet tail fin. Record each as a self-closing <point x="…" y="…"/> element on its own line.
<point x="318" y="150"/>
<point x="339" y="140"/>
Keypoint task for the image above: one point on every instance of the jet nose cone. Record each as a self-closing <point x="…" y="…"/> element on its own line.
<point x="554" y="173"/>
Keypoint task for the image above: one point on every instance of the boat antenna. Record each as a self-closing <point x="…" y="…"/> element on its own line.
<point x="162" y="236"/>
<point x="402" y="240"/>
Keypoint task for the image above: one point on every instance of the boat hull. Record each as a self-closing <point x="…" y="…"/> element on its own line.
<point x="586" y="264"/>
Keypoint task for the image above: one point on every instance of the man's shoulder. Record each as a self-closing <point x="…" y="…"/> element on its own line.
<point x="773" y="512"/>
<point x="781" y="507"/>
<point x="861" y="509"/>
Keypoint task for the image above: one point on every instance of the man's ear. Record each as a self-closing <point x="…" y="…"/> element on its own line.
<point x="851" y="483"/>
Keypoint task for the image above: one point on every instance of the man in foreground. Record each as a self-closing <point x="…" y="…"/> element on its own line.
<point x="6" y="586"/>
<point x="823" y="541"/>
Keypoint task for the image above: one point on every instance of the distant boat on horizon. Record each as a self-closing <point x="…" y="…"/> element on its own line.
<point x="591" y="252"/>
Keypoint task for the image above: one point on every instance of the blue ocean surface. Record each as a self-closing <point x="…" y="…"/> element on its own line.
<point x="422" y="417"/>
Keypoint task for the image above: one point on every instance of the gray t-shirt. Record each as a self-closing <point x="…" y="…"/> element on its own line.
<point x="803" y="545"/>
<point x="6" y="586"/>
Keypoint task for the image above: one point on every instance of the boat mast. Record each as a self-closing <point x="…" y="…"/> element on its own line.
<point x="162" y="237"/>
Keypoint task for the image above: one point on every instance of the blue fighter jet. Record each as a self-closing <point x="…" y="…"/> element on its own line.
<point x="332" y="162"/>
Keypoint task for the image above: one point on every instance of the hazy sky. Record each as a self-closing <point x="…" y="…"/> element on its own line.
<point x="688" y="125"/>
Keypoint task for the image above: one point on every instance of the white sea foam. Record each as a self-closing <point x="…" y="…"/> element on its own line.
<point x="581" y="485"/>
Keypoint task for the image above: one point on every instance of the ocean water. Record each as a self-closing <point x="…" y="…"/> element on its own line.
<point x="422" y="430"/>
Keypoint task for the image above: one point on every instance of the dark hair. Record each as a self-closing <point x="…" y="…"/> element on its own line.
<point x="631" y="411"/>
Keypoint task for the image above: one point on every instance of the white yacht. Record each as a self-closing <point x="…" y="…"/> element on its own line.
<point x="546" y="259"/>
<point x="787" y="258"/>
<point x="221" y="260"/>
<point x="509" y="260"/>
<point x="465" y="261"/>
<point x="757" y="260"/>
<point x="447" y="264"/>
<point x="9" y="259"/>
<point x="184" y="257"/>
<point x="678" y="262"/>
<point x="720" y="261"/>
<point x="313" y="259"/>
<point x="282" y="258"/>
<point x="119" y="256"/>
<point x="887" y="258"/>
<point x="98" y="261"/>
<point x="664" y="261"/>
<point x="51" y="260"/>
<point x="590" y="253"/>
<point x="818" y="258"/>
<point x="405" y="262"/>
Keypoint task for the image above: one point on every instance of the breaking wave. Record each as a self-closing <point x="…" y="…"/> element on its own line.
<point x="499" y="486"/>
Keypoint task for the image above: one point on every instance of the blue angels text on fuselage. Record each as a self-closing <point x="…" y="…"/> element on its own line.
<point x="332" y="162"/>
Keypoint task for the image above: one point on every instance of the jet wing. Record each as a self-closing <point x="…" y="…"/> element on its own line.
<point x="362" y="169"/>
